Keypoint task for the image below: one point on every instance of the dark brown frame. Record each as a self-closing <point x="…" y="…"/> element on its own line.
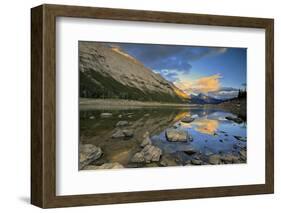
<point x="43" y="105"/>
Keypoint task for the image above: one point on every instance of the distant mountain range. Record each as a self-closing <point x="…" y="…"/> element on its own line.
<point x="108" y="72"/>
<point x="204" y="99"/>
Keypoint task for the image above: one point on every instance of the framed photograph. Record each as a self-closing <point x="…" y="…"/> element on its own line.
<point x="136" y="106"/>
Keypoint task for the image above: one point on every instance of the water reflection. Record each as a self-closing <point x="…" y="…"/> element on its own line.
<point x="212" y="135"/>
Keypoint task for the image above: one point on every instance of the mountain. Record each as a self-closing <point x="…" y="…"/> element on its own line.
<point x="108" y="72"/>
<point x="204" y="99"/>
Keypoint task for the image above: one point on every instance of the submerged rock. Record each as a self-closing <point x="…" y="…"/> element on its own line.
<point x="189" y="150"/>
<point x="88" y="153"/>
<point x="128" y="133"/>
<point x="240" y="138"/>
<point x="118" y="134"/>
<point x="106" y="114"/>
<point x="92" y="117"/>
<point x="187" y="119"/>
<point x="176" y="135"/>
<point x="148" y="154"/>
<point x="215" y="159"/>
<point x="125" y="133"/>
<point x="122" y="123"/>
<point x="104" y="166"/>
<point x="235" y="119"/>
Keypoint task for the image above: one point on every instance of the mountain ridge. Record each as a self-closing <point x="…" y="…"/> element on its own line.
<point x="107" y="72"/>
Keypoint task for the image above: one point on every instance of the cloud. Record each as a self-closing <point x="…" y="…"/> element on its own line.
<point x="201" y="85"/>
<point x="176" y="59"/>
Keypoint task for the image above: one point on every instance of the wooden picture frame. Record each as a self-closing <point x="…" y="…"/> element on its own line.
<point x="43" y="105"/>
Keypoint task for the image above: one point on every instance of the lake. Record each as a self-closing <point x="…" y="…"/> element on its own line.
<point x="118" y="134"/>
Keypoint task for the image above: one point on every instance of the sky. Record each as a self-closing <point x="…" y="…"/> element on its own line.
<point x="215" y="71"/>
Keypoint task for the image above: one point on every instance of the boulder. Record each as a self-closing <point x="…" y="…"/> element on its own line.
<point x="176" y="135"/>
<point x="189" y="150"/>
<point x="167" y="160"/>
<point x="88" y="153"/>
<point x="148" y="154"/>
<point x="128" y="133"/>
<point x="243" y="154"/>
<point x="187" y="120"/>
<point x="122" y="123"/>
<point x="230" y="158"/>
<point x="118" y="134"/>
<point x="104" y="166"/>
<point x="138" y="157"/>
<point x="215" y="159"/>
<point x="196" y="162"/>
<point x="146" y="141"/>
<point x="234" y="119"/>
<point x="240" y="138"/>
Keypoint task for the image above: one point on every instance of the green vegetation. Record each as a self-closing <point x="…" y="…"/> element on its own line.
<point x="96" y="85"/>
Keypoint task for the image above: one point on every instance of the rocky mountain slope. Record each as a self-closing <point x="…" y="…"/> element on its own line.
<point x="107" y="72"/>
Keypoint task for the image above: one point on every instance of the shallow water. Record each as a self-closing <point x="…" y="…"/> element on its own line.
<point x="211" y="133"/>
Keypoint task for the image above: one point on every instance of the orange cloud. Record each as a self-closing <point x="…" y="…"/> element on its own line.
<point x="208" y="84"/>
<point x="207" y="126"/>
<point x="201" y="85"/>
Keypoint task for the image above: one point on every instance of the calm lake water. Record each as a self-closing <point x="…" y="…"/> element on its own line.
<point x="211" y="132"/>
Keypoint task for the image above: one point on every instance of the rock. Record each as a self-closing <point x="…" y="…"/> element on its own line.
<point x="120" y="116"/>
<point x="189" y="150"/>
<point x="128" y="133"/>
<point x="152" y="153"/>
<point x="196" y="162"/>
<point x="221" y="140"/>
<point x="105" y="166"/>
<point x="235" y="146"/>
<point x="148" y="154"/>
<point x="106" y="115"/>
<point x="243" y="139"/>
<point x="92" y="117"/>
<point x="243" y="154"/>
<point x="138" y="157"/>
<point x="123" y="133"/>
<point x="187" y="120"/>
<point x="190" y="138"/>
<point x="230" y="158"/>
<point x="215" y="159"/>
<point x="122" y="123"/>
<point x="146" y="141"/>
<point x="235" y="119"/>
<point x="176" y="135"/>
<point x="167" y="160"/>
<point x="146" y="115"/>
<point x="88" y="153"/>
<point x="118" y="134"/>
<point x="146" y="134"/>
